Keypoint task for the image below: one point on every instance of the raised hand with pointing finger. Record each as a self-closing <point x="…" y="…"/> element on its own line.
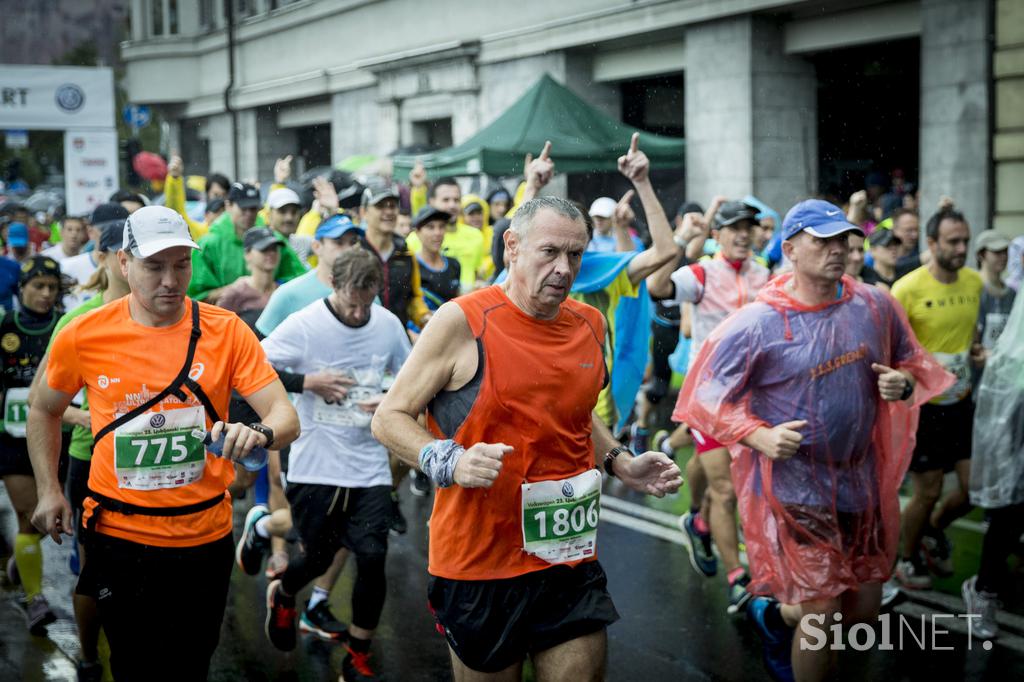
<point x="634" y="164"/>
<point x="538" y="171"/>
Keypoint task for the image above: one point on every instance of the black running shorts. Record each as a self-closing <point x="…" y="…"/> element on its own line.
<point x="944" y="436"/>
<point x="493" y="624"/>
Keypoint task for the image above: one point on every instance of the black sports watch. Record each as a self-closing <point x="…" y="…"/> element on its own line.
<point x="908" y="389"/>
<point x="609" y="459"/>
<point x="267" y="432"/>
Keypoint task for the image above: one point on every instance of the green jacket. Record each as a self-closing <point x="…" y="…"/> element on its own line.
<point x="220" y="259"/>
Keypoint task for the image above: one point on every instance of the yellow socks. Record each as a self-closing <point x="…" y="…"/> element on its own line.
<point x="28" y="554"/>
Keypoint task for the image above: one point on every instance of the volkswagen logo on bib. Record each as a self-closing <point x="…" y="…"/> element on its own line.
<point x="567" y="490"/>
<point x="157" y="421"/>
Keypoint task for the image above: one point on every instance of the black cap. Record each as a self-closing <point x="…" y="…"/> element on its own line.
<point x="732" y="212"/>
<point x="108" y="213"/>
<point x="244" y="195"/>
<point x="37" y="266"/>
<point x="690" y="207"/>
<point x="260" y="238"/>
<point x="428" y="213"/>
<point x="215" y="205"/>
<point x="885" y="237"/>
<point x="473" y="207"/>
<point x="351" y="196"/>
<point x="111" y="235"/>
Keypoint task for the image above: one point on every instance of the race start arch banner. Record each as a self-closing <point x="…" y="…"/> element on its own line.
<point x="79" y="101"/>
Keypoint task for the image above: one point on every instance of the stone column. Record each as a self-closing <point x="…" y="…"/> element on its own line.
<point x="955" y="125"/>
<point x="751" y="114"/>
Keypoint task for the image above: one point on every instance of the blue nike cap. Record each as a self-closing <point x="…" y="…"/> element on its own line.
<point x="818" y="218"/>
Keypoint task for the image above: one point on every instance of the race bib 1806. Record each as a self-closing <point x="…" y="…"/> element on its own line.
<point x="560" y="517"/>
<point x="158" y="449"/>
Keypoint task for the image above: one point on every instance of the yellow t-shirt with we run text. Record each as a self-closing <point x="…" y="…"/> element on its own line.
<point x="944" y="317"/>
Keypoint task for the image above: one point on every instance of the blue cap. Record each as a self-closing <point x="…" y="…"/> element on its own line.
<point x="817" y="217"/>
<point x="336" y="226"/>
<point x="17" y="235"/>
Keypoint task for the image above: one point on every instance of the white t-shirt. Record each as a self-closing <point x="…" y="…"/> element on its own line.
<point x="336" y="446"/>
<point x="56" y="252"/>
<point x="79" y="268"/>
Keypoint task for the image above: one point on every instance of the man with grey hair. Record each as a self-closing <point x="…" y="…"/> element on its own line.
<point x="509" y="376"/>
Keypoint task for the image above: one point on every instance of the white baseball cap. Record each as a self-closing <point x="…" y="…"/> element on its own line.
<point x="282" y="196"/>
<point x="152" y="229"/>
<point x="603" y="207"/>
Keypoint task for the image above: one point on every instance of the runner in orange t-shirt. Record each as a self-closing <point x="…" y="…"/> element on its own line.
<point x="159" y="370"/>
<point x="509" y="377"/>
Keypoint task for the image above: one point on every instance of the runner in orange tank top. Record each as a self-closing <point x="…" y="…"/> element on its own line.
<point x="509" y="377"/>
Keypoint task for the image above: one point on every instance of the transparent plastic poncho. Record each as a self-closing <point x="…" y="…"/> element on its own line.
<point x="827" y="519"/>
<point x="997" y="460"/>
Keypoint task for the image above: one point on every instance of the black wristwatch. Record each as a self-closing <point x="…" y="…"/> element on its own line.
<point x="267" y="432"/>
<point x="908" y="390"/>
<point x="609" y="459"/>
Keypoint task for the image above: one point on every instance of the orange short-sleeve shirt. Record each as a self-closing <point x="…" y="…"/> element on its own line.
<point x="123" y="364"/>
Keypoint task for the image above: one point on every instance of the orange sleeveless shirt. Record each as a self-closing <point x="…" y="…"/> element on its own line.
<point x="540" y="382"/>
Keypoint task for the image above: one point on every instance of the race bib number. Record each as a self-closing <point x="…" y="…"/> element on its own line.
<point x="348" y="412"/>
<point x="995" y="323"/>
<point x="159" y="449"/>
<point x="16" y="411"/>
<point x="959" y="365"/>
<point x="560" y="517"/>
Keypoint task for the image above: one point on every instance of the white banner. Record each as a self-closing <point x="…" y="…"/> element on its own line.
<point x="90" y="168"/>
<point x="56" y="97"/>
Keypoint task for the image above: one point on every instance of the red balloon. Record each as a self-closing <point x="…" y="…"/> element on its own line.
<point x="150" y="166"/>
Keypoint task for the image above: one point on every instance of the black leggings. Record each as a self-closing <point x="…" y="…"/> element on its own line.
<point x="328" y="518"/>
<point x="1004" y="530"/>
<point x="663" y="342"/>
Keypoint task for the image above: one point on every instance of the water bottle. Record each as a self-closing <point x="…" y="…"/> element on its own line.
<point x="254" y="461"/>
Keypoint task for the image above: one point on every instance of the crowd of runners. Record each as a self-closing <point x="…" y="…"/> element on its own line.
<point x="302" y="350"/>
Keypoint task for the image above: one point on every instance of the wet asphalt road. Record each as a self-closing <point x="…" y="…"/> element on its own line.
<point x="673" y="626"/>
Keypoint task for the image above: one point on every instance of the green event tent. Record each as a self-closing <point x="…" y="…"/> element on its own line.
<point x="583" y="139"/>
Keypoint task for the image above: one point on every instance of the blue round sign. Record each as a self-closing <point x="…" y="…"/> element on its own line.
<point x="137" y="115"/>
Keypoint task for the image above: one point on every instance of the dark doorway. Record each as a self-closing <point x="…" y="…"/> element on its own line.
<point x="869" y="115"/>
<point x="314" y="145"/>
<point x="655" y="105"/>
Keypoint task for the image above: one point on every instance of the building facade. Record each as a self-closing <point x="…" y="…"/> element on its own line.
<point x="776" y="98"/>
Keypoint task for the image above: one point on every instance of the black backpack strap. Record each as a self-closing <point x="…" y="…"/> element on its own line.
<point x="173" y="389"/>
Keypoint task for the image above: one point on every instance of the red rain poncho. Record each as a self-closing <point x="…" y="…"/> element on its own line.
<point x="828" y="518"/>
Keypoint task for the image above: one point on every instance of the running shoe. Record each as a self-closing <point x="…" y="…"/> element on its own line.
<point x="13" y="577"/>
<point x="356" y="667"/>
<point x="738" y="594"/>
<point x="698" y="544"/>
<point x="399" y="526"/>
<point x="419" y="484"/>
<point x="280" y="623"/>
<point x="776" y="637"/>
<point x="320" y="622"/>
<point x="938" y="552"/>
<point x="984" y="605"/>
<point x="890" y="592"/>
<point x="89" y="672"/>
<point x="912" y="576"/>
<point x="251" y="547"/>
<point x="39" y="615"/>
<point x="638" y="438"/>
<point x="276" y="565"/>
